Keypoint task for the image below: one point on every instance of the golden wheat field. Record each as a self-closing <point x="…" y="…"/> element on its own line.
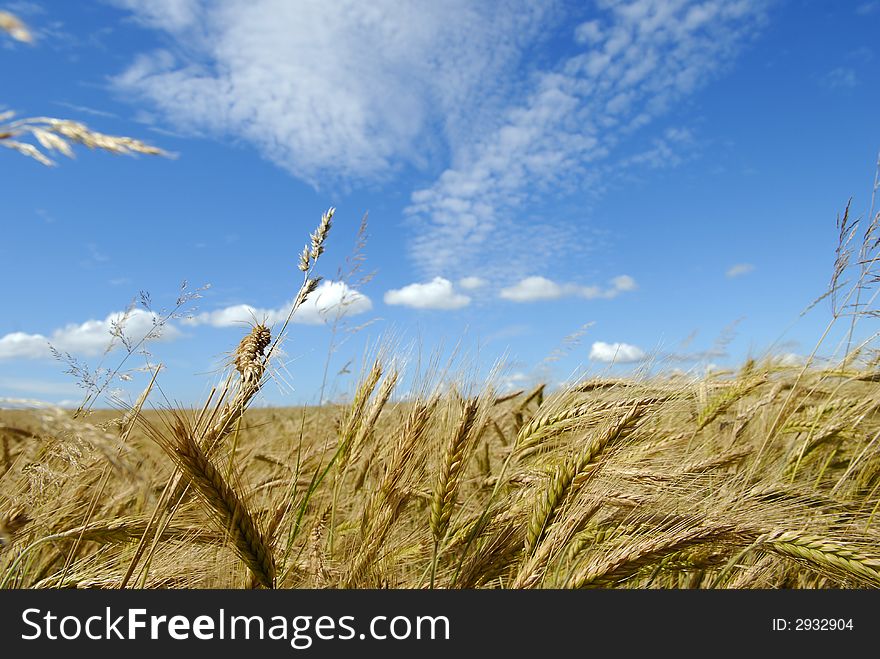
<point x="763" y="478"/>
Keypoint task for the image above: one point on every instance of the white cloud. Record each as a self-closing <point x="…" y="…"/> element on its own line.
<point x="588" y="33"/>
<point x="435" y="294"/>
<point x="740" y="269"/>
<point x="617" y="353"/>
<point x="321" y="306"/>
<point x="531" y="289"/>
<point x="88" y="339"/>
<point x="623" y="283"/>
<point x="171" y="15"/>
<point x="351" y="90"/>
<point x="569" y="130"/>
<point x="328" y="89"/>
<point x="536" y="288"/>
<point x="472" y="283"/>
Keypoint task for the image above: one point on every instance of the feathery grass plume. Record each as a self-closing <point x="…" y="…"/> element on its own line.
<point x="58" y="134"/>
<point x="13" y="26"/>
<point x="315" y="247"/>
<point x="225" y="506"/>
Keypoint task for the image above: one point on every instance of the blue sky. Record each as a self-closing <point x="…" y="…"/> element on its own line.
<point x="659" y="178"/>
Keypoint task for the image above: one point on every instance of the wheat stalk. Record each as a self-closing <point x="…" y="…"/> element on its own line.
<point x="227" y="509"/>
<point x="452" y="468"/>
<point x="565" y="475"/>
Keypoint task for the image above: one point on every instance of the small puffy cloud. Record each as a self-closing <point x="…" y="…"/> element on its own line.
<point x="532" y="289"/>
<point x="330" y="298"/>
<point x="89" y="338"/>
<point x="435" y="294"/>
<point x="236" y="314"/>
<point x="623" y="283"/>
<point x="472" y="283"/>
<point x="618" y="353"/>
<point x="740" y="269"/>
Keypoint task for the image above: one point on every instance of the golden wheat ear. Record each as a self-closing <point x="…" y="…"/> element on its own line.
<point x="221" y="500"/>
<point x="11" y="24"/>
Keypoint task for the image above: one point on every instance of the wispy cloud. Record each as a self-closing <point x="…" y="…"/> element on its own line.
<point x="331" y="89"/>
<point x="87" y="339"/>
<point x="438" y="293"/>
<point x="616" y="353"/>
<point x="171" y="15"/>
<point x="371" y="88"/>
<point x="94" y="257"/>
<point x="865" y="8"/>
<point x="638" y="59"/>
<point x="329" y="301"/>
<point x="536" y="288"/>
<point x="739" y="270"/>
<point x="840" y="78"/>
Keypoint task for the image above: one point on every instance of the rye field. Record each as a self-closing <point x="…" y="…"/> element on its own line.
<point x="763" y="477"/>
